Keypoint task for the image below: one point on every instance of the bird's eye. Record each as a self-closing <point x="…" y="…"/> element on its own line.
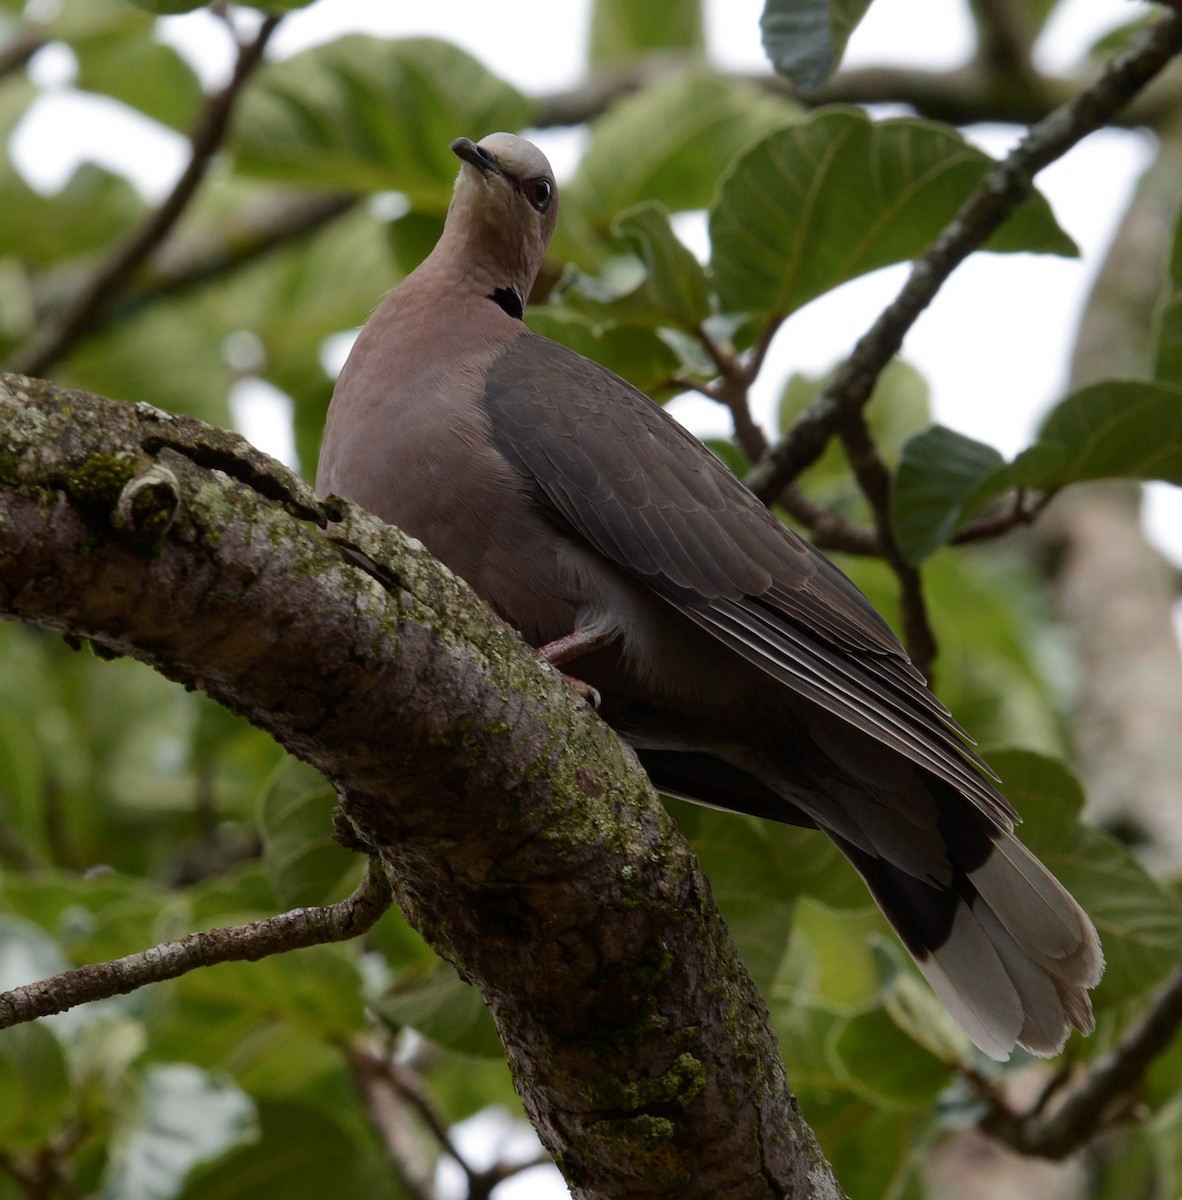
<point x="539" y="193"/>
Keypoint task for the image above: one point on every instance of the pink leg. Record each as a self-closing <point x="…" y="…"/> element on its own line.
<point x="563" y="649"/>
<point x="582" y="641"/>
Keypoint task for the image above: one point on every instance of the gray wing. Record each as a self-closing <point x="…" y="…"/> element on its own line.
<point x="646" y="494"/>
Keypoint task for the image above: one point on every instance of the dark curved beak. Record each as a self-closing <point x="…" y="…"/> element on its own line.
<point x="467" y="150"/>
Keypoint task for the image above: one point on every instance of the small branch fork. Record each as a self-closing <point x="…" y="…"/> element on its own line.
<point x="82" y="312"/>
<point x="838" y="409"/>
<point x="1006" y="185"/>
<point x="292" y="930"/>
<point x="1097" y="1100"/>
<point x="392" y="1090"/>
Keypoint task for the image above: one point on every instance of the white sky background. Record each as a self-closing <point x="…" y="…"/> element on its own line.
<point x="994" y="347"/>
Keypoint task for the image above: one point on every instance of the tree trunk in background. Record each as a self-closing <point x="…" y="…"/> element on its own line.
<point x="1115" y="592"/>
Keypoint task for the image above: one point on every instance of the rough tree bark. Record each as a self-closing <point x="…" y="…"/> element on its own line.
<point x="520" y="836"/>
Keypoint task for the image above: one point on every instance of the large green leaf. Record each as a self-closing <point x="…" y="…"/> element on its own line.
<point x="445" y="1009"/>
<point x="886" y="1066"/>
<point x="670" y="142"/>
<point x="1139" y="921"/>
<point x="637" y="354"/>
<point x="1121" y="428"/>
<point x="88" y="214"/>
<point x="1117" y="429"/>
<point x="939" y="472"/>
<point x="317" y="989"/>
<point x="127" y="62"/>
<point x="300" y="1154"/>
<point x="364" y="114"/>
<point x="303" y="863"/>
<point x="676" y="282"/>
<point x="804" y="39"/>
<point x="837" y="196"/>
<point x="623" y="31"/>
<point x="34" y="1087"/>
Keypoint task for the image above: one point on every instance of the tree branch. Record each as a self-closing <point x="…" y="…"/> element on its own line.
<point x="1006" y="185"/>
<point x="874" y="480"/>
<point x="520" y="836"/>
<point x="16" y="52"/>
<point x="1086" y="1109"/>
<point x="965" y="95"/>
<point x="236" y="943"/>
<point x="81" y="312"/>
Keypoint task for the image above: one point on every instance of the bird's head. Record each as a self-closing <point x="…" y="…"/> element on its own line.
<point x="505" y="207"/>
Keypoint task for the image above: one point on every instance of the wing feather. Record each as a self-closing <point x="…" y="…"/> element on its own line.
<point x="649" y="496"/>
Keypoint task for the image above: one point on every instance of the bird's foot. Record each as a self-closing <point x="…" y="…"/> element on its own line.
<point x="582" y="641"/>
<point x="584" y="690"/>
<point x="563" y="649"/>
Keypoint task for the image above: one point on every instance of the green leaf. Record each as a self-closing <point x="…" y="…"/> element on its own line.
<point x="88" y="214"/>
<point x="670" y="142"/>
<point x="1121" y="428"/>
<point x="365" y="114"/>
<point x="185" y="1117"/>
<point x="873" y="1151"/>
<point x="303" y="863"/>
<point x="35" y="1093"/>
<point x="623" y="31"/>
<point x="676" y="281"/>
<point x="832" y="958"/>
<point x="938" y="472"/>
<point x="128" y="63"/>
<point x="1139" y="921"/>
<point x="445" y="1009"/>
<point x="885" y="1065"/>
<point x="804" y="39"/>
<point x="300" y="1154"/>
<point x="637" y="354"/>
<point x="318" y="989"/>
<point x="836" y="196"/>
<point x="738" y="854"/>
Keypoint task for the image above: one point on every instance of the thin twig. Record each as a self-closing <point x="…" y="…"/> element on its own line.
<point x="387" y="1114"/>
<point x="827" y="529"/>
<point x="236" y="943"/>
<point x="1004" y="41"/>
<point x="1020" y="512"/>
<point x="875" y="481"/>
<point x="1088" y="1107"/>
<point x="17" y="52"/>
<point x="185" y="268"/>
<point x="81" y="312"/>
<point x="1005" y="186"/>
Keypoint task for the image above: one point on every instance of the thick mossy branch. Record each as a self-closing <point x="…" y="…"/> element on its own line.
<point x="519" y="835"/>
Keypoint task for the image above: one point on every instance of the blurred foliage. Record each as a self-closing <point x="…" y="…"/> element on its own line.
<point x="131" y="811"/>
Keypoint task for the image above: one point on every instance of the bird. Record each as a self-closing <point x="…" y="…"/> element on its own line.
<point x="745" y="670"/>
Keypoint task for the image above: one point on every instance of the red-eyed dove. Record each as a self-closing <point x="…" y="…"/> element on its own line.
<point x="746" y="670"/>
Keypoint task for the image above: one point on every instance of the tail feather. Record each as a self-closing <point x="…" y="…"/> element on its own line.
<point x="1005" y="946"/>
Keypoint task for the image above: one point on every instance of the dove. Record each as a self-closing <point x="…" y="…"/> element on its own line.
<point x="745" y="670"/>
